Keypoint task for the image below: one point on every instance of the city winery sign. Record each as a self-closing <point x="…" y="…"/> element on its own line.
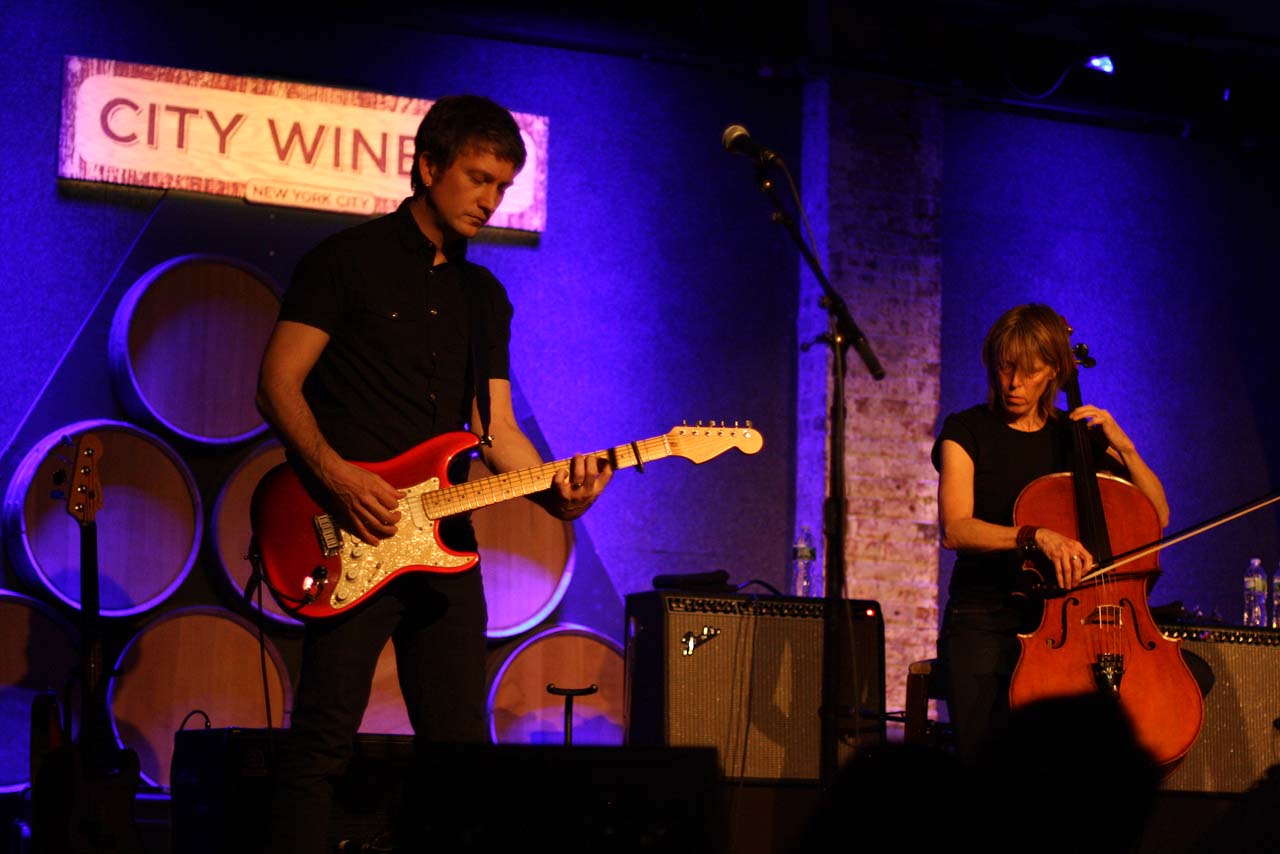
<point x="267" y="141"/>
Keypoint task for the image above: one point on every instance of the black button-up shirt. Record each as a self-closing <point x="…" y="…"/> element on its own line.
<point x="398" y="366"/>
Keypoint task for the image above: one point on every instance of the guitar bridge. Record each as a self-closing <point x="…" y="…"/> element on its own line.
<point x="327" y="535"/>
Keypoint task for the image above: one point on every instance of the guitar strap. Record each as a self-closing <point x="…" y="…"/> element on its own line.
<point x="477" y="363"/>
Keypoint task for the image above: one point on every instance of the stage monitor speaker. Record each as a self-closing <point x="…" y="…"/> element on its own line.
<point x="519" y="797"/>
<point x="222" y="782"/>
<point x="474" y="798"/>
<point x="743" y="674"/>
<point x="1241" y="735"/>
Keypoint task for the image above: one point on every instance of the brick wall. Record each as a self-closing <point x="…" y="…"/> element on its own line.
<point x="873" y="163"/>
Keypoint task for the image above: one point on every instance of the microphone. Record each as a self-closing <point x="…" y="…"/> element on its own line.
<point x="736" y="140"/>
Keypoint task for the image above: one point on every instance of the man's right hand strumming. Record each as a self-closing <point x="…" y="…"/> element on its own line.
<point x="369" y="503"/>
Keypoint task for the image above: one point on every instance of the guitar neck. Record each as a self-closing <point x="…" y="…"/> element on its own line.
<point x="90" y="597"/>
<point x="475" y="494"/>
<point x="91" y="668"/>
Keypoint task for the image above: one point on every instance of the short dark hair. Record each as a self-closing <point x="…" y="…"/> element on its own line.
<point x="458" y="122"/>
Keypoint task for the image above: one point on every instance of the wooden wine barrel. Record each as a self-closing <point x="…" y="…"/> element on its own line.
<point x="522" y="711"/>
<point x="527" y="559"/>
<point x="386" y="712"/>
<point x="148" y="529"/>
<point x="38" y="654"/>
<point x="232" y="532"/>
<point x="191" y="661"/>
<point x="185" y="345"/>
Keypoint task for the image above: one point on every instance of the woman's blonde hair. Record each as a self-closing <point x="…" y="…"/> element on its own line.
<point x="1023" y="335"/>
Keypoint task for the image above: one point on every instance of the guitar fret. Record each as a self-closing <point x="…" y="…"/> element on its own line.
<point x="357" y="572"/>
<point x="478" y="494"/>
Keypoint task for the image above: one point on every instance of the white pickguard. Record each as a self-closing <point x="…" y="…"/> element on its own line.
<point x="364" y="566"/>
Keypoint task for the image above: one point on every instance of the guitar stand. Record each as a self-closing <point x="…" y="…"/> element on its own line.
<point x="258" y="579"/>
<point x="569" y="694"/>
<point x="256" y="573"/>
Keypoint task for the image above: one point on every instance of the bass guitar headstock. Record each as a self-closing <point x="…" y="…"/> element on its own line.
<point x="84" y="489"/>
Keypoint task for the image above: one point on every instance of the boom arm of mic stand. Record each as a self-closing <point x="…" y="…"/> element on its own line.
<point x="847" y="331"/>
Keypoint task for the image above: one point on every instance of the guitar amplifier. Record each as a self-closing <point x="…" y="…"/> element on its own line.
<point x="744" y="674"/>
<point x="1241" y="735"/>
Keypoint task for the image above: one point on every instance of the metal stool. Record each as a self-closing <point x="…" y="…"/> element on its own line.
<point x="569" y="694"/>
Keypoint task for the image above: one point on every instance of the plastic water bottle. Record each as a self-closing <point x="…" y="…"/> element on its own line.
<point x="1275" y="600"/>
<point x="1255" y="594"/>
<point x="804" y="576"/>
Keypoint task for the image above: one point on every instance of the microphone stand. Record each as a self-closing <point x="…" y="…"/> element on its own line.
<point x="842" y="334"/>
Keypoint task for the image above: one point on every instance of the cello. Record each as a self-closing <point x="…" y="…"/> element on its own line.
<point x="1100" y="636"/>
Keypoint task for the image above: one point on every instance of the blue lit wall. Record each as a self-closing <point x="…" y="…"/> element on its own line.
<point x="659" y="292"/>
<point x="1159" y="252"/>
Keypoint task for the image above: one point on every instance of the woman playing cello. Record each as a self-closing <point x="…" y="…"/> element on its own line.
<point x="985" y="456"/>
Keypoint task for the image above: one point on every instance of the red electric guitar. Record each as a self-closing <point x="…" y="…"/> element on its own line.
<point x="83" y="792"/>
<point x="317" y="569"/>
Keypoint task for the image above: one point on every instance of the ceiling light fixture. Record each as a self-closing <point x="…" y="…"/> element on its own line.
<point x="1101" y="63"/>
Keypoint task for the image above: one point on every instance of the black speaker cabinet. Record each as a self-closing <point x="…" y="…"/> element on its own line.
<point x="1241" y="735"/>
<point x="471" y="798"/>
<point x="222" y="782"/>
<point x="518" y="797"/>
<point x="743" y="674"/>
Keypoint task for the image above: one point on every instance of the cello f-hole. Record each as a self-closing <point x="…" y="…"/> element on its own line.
<point x="1061" y="641"/>
<point x="1137" y="626"/>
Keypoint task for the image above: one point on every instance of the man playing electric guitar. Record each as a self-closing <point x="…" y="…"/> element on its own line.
<point x="388" y="337"/>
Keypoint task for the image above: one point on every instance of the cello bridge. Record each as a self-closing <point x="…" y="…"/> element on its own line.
<point x="1105" y="615"/>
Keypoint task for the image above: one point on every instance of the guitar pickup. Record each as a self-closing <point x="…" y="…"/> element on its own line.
<point x="327" y="535"/>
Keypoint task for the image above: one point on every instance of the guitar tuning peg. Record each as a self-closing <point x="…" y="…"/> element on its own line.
<point x="699" y="424"/>
<point x="748" y="423"/>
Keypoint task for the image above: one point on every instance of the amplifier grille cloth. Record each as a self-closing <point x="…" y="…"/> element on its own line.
<point x="1240" y="739"/>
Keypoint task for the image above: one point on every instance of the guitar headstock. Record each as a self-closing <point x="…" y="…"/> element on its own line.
<point x="701" y="442"/>
<point x="84" y="491"/>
